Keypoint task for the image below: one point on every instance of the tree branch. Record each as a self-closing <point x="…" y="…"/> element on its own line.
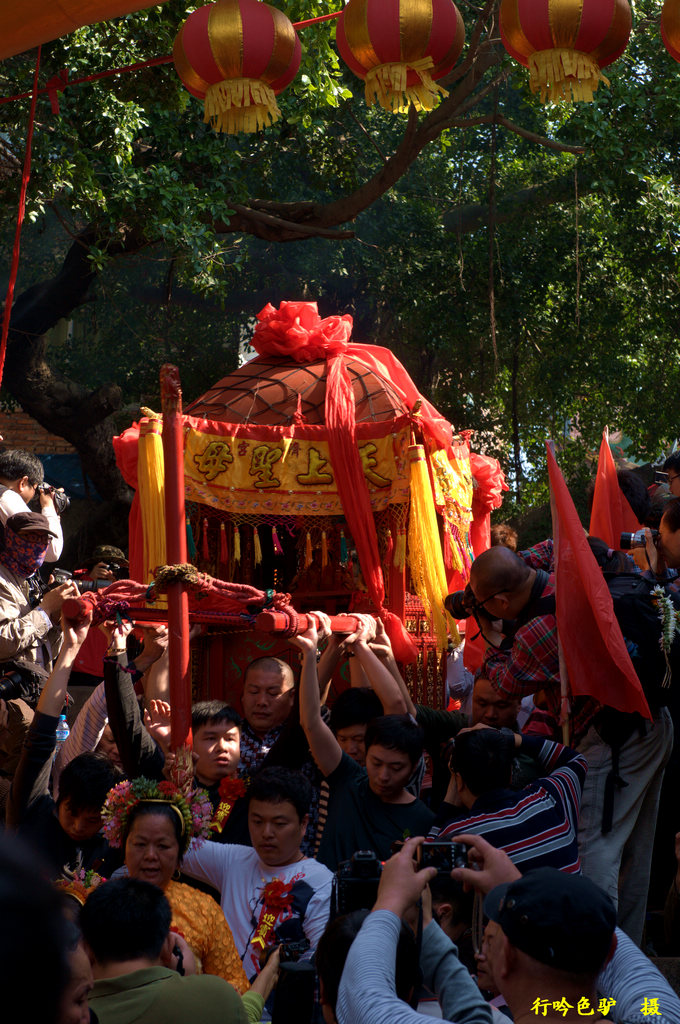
<point x="474" y="216"/>
<point x="539" y="140"/>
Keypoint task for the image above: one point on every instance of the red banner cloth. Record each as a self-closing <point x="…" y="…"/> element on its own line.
<point x="611" y="514"/>
<point x="594" y="651"/>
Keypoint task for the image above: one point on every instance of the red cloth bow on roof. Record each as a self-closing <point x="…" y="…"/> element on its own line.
<point x="296" y="331"/>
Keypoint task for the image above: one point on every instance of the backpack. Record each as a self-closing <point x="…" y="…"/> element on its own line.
<point x="636" y="610"/>
<point x="638" y="615"/>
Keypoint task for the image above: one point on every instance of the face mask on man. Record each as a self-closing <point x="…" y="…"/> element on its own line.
<point x="24" y="552"/>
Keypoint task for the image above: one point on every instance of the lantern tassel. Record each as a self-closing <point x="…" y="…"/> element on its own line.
<point x="224" y="552"/>
<point x="387" y="85"/>
<point x="389" y="551"/>
<point x="240" y="105"/>
<point x="308" y="550"/>
<point x="343" y="548"/>
<point x="324" y="549"/>
<point x="257" y="547"/>
<point x="447" y="548"/>
<point x="567" y="75"/>
<point x="237" y="544"/>
<point x="400" y="550"/>
<point x="191" y="543"/>
<point x="205" y="549"/>
<point x="278" y="550"/>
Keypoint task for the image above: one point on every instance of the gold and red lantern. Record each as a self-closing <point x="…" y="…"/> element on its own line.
<point x="237" y="55"/>
<point x="400" y="48"/>
<point x="565" y="43"/>
<point x="670" y="27"/>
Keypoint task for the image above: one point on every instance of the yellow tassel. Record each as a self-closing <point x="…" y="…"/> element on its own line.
<point x="240" y="105"/>
<point x="399" y="559"/>
<point x="151" y="490"/>
<point x="324" y="549"/>
<point x="567" y="75"/>
<point x="257" y="547"/>
<point x="428" y="573"/>
<point x="387" y="84"/>
<point x="237" y="544"/>
<point x="308" y="550"/>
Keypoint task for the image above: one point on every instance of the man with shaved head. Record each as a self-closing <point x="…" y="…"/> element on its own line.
<point x="521" y="656"/>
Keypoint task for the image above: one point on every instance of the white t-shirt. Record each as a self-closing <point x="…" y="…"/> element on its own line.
<point x="240" y="876"/>
<point x="12" y="503"/>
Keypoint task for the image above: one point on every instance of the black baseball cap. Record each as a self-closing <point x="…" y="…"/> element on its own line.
<point x="565" y="921"/>
<point x="30" y="522"/>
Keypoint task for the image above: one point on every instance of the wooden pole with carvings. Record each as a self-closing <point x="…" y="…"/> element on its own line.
<point x="176" y="542"/>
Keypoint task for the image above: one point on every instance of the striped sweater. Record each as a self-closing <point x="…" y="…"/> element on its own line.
<point x="537" y="826"/>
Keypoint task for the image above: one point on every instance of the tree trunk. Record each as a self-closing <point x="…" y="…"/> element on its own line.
<point x="81" y="416"/>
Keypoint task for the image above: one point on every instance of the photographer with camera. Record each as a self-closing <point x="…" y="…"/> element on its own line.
<point x="21" y="477"/>
<point x="368" y="991"/>
<point x="29" y="635"/>
<point x="558" y="919"/>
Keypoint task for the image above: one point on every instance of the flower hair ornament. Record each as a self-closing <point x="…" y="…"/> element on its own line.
<point x="193" y="808"/>
<point x="79" y="883"/>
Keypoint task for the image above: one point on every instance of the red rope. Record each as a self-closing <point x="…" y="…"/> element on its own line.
<point x="20" y="219"/>
<point x="155" y="62"/>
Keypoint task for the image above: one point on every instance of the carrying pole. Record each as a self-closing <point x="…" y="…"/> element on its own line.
<point x="176" y="546"/>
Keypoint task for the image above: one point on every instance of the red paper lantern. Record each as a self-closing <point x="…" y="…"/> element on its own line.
<point x="564" y="43"/>
<point x="237" y="55"/>
<point x="670" y="27"/>
<point x="400" y="47"/>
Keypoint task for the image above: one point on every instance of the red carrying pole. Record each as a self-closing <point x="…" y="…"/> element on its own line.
<point x="176" y="547"/>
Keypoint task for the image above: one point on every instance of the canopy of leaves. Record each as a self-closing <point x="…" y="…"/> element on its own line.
<point x="577" y="253"/>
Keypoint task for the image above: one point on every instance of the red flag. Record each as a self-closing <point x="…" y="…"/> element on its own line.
<point x="594" y="651"/>
<point x="611" y="514"/>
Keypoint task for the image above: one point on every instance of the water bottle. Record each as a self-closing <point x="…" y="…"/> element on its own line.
<point x="62" y="730"/>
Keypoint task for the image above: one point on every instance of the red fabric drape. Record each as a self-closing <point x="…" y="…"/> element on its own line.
<point x="611" y="514"/>
<point x="489" y="484"/>
<point x="297" y="331"/>
<point x="593" y="648"/>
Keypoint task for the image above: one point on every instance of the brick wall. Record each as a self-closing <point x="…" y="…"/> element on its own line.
<point x="19" y="430"/>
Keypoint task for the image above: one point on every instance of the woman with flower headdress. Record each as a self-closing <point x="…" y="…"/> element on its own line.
<point x="154" y="822"/>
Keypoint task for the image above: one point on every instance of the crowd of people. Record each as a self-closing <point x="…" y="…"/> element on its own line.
<point x="376" y="861"/>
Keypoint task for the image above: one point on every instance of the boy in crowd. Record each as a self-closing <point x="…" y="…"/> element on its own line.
<point x="369" y="807"/>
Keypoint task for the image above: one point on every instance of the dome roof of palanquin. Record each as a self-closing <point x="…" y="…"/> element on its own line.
<point x="266" y="389"/>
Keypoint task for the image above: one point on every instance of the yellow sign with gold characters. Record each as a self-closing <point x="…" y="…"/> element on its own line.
<point x="287" y="476"/>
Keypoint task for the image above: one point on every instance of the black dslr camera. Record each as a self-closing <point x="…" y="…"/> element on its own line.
<point x="17" y="681"/>
<point x="37" y="588"/>
<point x="61" y="500"/>
<point x="461" y="604"/>
<point x="355" y="884"/>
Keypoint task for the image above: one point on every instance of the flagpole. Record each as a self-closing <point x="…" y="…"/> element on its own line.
<point x="564" y="676"/>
